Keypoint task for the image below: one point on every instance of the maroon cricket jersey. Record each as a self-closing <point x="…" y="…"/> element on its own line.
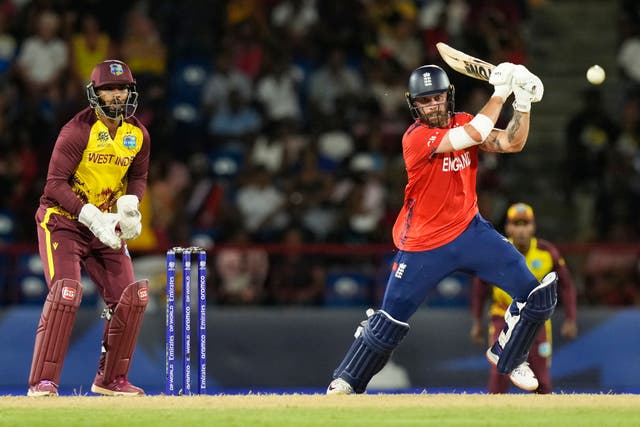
<point x="88" y="166"/>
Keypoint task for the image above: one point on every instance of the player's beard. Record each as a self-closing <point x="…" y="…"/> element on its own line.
<point x="114" y="110"/>
<point x="438" y="118"/>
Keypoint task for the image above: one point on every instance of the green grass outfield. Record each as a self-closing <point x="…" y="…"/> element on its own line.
<point x="319" y="410"/>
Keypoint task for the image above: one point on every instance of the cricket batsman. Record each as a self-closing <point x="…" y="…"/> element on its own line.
<point x="439" y="229"/>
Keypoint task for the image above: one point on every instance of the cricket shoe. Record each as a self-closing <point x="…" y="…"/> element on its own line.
<point x="521" y="376"/>
<point x="120" y="386"/>
<point x="339" y="386"/>
<point x="43" y="388"/>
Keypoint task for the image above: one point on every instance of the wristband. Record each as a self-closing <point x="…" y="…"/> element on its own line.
<point x="460" y="139"/>
<point x="483" y="124"/>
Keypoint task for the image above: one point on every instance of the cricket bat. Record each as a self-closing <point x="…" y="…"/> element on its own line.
<point x="464" y="63"/>
<point x="469" y="65"/>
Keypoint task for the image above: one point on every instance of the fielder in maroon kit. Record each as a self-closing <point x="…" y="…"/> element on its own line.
<point x="542" y="257"/>
<point x="97" y="175"/>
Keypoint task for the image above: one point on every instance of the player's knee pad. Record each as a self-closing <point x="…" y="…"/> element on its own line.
<point x="523" y="321"/>
<point x="375" y="341"/>
<point x="123" y="326"/>
<point x="54" y="330"/>
<point x="542" y="300"/>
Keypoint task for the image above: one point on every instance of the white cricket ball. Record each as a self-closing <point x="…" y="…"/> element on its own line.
<point x="595" y="74"/>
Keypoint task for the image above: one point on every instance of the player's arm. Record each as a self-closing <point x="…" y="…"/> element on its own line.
<point x="514" y="137"/>
<point x="482" y="125"/>
<point x="65" y="158"/>
<point x="509" y="140"/>
<point x="566" y="294"/>
<point x="479" y="292"/>
<point x="476" y="131"/>
<point x="137" y="173"/>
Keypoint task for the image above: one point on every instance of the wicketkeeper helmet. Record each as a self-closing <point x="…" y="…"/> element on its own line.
<point x="112" y="72"/>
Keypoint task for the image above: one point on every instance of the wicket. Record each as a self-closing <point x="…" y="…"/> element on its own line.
<point x="170" y="344"/>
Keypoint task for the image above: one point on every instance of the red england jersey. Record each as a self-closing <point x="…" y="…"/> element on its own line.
<point x="440" y="197"/>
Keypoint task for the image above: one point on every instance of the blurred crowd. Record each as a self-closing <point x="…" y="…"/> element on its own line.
<point x="271" y="121"/>
<point x="265" y="115"/>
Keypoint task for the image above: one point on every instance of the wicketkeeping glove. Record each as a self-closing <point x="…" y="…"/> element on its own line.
<point x="129" y="217"/>
<point x="500" y="78"/>
<point x="101" y="224"/>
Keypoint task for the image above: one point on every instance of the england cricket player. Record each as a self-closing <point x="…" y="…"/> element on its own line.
<point x="439" y="229"/>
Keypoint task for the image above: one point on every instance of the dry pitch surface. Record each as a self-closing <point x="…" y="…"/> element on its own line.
<point x="319" y="410"/>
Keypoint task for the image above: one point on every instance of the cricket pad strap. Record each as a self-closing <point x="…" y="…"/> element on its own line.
<point x="54" y="330"/>
<point x="371" y="349"/>
<point x="539" y="307"/>
<point x="123" y="328"/>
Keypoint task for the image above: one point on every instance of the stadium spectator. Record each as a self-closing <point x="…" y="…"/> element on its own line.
<point x="310" y="198"/>
<point x="223" y="79"/>
<point x="8" y="49"/>
<point x="262" y="206"/>
<point x="42" y="60"/>
<point x="235" y="124"/>
<point x="401" y="42"/>
<point x="241" y="272"/>
<point x="278" y="90"/>
<point x="245" y="42"/>
<point x="294" y="21"/>
<point x="590" y="135"/>
<point x="88" y="47"/>
<point x="295" y="278"/>
<point x="333" y="86"/>
<point x="143" y="48"/>
<point x="612" y="279"/>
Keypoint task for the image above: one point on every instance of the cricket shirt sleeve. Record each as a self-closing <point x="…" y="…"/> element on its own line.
<point x="139" y="169"/>
<point x="566" y="287"/>
<point x="67" y="154"/>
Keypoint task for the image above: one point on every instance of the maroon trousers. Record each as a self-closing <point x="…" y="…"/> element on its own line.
<point x="65" y="245"/>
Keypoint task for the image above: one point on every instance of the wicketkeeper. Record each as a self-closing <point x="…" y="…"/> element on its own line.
<point x="97" y="175"/>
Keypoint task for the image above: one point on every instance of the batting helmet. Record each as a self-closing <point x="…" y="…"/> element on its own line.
<point x="429" y="80"/>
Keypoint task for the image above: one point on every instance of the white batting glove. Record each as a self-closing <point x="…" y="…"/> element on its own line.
<point x="129" y="217"/>
<point x="523" y="100"/>
<point x="500" y="78"/>
<point x="527" y="80"/>
<point x="102" y="225"/>
<point x="527" y="87"/>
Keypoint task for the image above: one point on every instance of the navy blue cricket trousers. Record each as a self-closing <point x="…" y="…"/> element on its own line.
<point x="479" y="250"/>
